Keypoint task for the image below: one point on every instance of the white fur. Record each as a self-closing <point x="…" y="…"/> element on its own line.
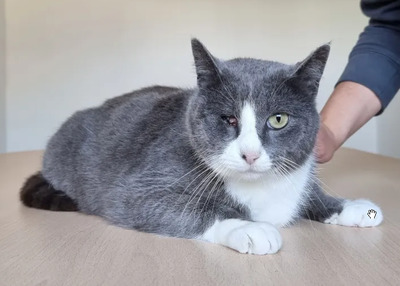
<point x="247" y="142"/>
<point x="244" y="236"/>
<point x="355" y="213"/>
<point x="272" y="199"/>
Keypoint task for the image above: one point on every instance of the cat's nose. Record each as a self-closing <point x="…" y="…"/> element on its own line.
<point x="250" y="158"/>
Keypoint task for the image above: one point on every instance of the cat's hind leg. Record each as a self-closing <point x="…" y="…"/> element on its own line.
<point x="38" y="193"/>
<point x="327" y="209"/>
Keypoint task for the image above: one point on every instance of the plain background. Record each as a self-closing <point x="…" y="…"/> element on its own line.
<point x="60" y="56"/>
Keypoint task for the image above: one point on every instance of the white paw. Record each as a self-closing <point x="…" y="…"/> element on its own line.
<point x="255" y="238"/>
<point x="245" y="237"/>
<point x="361" y="213"/>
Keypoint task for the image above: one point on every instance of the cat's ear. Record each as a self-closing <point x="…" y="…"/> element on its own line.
<point x="308" y="73"/>
<point x="206" y="65"/>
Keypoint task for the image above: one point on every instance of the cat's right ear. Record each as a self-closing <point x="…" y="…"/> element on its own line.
<point x="308" y="72"/>
<point x="208" y="74"/>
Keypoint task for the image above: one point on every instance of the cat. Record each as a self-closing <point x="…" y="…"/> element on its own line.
<point x="228" y="162"/>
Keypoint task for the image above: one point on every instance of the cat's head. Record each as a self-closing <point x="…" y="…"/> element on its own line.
<point x="250" y="117"/>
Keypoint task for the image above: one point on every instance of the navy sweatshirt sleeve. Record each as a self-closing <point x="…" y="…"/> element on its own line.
<point x="375" y="60"/>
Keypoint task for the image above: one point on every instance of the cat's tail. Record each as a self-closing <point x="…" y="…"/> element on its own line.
<point x="38" y="193"/>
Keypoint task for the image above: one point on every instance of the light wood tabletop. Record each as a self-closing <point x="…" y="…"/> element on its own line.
<point x="52" y="248"/>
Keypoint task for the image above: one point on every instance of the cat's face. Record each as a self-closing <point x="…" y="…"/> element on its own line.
<point x="251" y="117"/>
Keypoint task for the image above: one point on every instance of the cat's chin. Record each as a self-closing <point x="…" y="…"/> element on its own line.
<point x="248" y="176"/>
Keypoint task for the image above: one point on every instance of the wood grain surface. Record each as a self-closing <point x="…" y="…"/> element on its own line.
<point x="51" y="248"/>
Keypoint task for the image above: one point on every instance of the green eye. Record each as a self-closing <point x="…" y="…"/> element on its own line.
<point x="278" y="120"/>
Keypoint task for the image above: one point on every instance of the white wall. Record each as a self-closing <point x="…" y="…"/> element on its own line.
<point x="70" y="54"/>
<point x="2" y="78"/>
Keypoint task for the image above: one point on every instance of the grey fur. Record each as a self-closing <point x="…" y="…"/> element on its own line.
<point x="141" y="160"/>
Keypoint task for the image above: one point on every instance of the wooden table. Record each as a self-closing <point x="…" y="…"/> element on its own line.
<point x="52" y="248"/>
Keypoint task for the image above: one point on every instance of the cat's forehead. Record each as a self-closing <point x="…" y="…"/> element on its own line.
<point x="254" y="69"/>
<point x="252" y="77"/>
<point x="256" y="80"/>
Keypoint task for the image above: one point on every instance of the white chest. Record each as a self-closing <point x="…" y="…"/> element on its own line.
<point x="274" y="199"/>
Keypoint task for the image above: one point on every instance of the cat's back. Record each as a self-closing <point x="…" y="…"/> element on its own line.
<point x="141" y="97"/>
<point x="116" y="113"/>
<point x="139" y="121"/>
<point x="89" y="136"/>
<point x="144" y="104"/>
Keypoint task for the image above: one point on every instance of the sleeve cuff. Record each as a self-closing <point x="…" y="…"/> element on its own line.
<point x="375" y="71"/>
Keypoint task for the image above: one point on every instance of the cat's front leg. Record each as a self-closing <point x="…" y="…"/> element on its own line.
<point x="245" y="236"/>
<point x="327" y="209"/>
<point x="361" y="213"/>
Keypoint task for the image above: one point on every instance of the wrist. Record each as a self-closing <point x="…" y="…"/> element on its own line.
<point x="326" y="144"/>
<point x="338" y="132"/>
<point x="350" y="106"/>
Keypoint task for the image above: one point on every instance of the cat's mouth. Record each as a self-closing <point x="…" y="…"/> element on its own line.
<point x="251" y="174"/>
<point x="248" y="173"/>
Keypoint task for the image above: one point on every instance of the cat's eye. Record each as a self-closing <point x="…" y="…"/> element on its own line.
<point x="278" y="120"/>
<point x="231" y="120"/>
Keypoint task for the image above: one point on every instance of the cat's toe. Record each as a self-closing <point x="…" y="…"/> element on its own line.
<point x="361" y="213"/>
<point x="255" y="238"/>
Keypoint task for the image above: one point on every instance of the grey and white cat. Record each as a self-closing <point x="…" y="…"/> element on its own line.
<point x="228" y="162"/>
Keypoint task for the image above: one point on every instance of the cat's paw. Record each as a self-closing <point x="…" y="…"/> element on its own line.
<point x="255" y="238"/>
<point x="245" y="236"/>
<point x="361" y="213"/>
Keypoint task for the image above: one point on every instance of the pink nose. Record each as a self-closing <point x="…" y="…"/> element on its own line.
<point x="250" y="158"/>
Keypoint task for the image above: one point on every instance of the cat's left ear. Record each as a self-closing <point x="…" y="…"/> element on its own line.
<point x="206" y="65"/>
<point x="308" y="73"/>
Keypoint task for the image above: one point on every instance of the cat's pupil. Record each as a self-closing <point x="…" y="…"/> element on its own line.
<point x="278" y="118"/>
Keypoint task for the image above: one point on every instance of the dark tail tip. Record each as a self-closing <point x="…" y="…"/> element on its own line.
<point x="38" y="193"/>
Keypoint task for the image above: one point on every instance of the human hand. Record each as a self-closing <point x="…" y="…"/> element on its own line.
<point x="326" y="144"/>
<point x="349" y="107"/>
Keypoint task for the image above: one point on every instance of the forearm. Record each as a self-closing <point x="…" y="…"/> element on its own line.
<point x="350" y="106"/>
<point x="369" y="81"/>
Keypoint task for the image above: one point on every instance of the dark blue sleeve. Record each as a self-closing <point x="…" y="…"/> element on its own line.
<point x="375" y="60"/>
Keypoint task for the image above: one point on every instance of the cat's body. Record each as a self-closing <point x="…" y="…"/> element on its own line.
<point x="226" y="162"/>
<point x="145" y="161"/>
